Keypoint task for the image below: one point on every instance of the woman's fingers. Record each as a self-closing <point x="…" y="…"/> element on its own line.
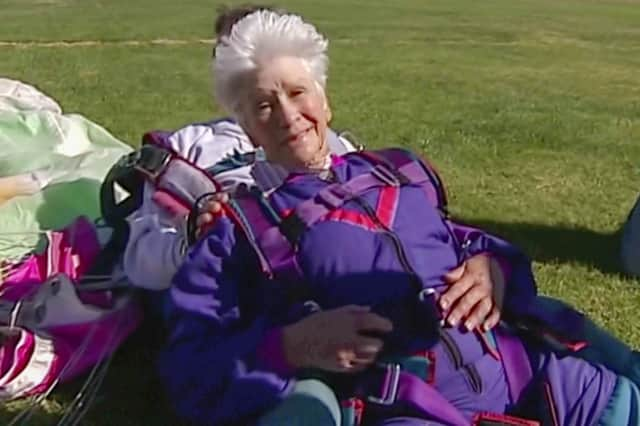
<point x="455" y="291"/>
<point x="464" y="304"/>
<point x="492" y="320"/>
<point x="479" y="313"/>
<point x="204" y="219"/>
<point x="212" y="207"/>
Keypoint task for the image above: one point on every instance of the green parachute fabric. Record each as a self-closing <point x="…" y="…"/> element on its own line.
<point x="51" y="167"/>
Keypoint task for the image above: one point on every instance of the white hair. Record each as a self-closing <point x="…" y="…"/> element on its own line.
<point x="261" y="36"/>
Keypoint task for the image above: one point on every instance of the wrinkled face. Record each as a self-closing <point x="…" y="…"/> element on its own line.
<point x="287" y="114"/>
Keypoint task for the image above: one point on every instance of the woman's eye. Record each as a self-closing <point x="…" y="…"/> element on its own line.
<point x="264" y="106"/>
<point x="297" y="92"/>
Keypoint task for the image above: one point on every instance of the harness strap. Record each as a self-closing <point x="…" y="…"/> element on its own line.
<point x="177" y="183"/>
<point x="387" y="205"/>
<point x="386" y="385"/>
<point x="427" y="399"/>
<point x="281" y="255"/>
<point x="275" y="254"/>
<point x="408" y="165"/>
<point x="335" y="195"/>
<point x="393" y="386"/>
<point x="517" y="367"/>
<point x="183" y="181"/>
<point x="494" y="419"/>
<point x="274" y="238"/>
<point x="276" y="246"/>
<point x="246" y="213"/>
<point x="278" y="242"/>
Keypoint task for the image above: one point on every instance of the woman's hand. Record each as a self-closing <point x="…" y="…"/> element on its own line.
<point x="210" y="211"/>
<point x="476" y="293"/>
<point x="339" y="340"/>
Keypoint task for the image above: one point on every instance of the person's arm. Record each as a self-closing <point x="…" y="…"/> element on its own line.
<point x="494" y="273"/>
<point x="155" y="246"/>
<point x="476" y="292"/>
<point x="222" y="362"/>
<point x="514" y="264"/>
<point x="226" y="359"/>
<point x="339" y="143"/>
<point x="157" y="241"/>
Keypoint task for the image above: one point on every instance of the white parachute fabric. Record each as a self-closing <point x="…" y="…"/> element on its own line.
<point x="51" y="167"/>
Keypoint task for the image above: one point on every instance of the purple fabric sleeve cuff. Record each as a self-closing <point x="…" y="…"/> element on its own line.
<point x="270" y="353"/>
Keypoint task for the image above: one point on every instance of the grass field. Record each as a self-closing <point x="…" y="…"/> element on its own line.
<point x="530" y="108"/>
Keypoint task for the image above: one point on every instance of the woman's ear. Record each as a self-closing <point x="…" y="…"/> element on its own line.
<point x="325" y="97"/>
<point x="327" y="109"/>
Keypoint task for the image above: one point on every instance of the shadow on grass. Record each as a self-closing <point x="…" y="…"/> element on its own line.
<point x="544" y="243"/>
<point x="132" y="394"/>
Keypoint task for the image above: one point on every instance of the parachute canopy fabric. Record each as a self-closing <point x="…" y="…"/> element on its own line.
<point x="51" y="167"/>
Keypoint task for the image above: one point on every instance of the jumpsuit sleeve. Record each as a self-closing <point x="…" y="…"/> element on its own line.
<point x="521" y="285"/>
<point x="222" y="364"/>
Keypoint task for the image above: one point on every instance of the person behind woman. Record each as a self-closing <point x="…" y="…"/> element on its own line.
<point x="372" y="293"/>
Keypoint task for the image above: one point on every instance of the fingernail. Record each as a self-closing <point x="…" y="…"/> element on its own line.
<point x="453" y="321"/>
<point x="468" y="325"/>
<point x="444" y="304"/>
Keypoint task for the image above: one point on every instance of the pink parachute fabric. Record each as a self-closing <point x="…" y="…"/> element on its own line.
<point x="52" y="331"/>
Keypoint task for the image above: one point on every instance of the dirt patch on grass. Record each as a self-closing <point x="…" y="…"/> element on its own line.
<point x="85" y="43"/>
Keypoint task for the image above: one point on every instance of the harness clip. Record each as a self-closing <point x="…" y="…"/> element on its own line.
<point x="151" y="161"/>
<point x="390" y="383"/>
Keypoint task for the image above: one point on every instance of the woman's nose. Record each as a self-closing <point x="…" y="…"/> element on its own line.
<point x="289" y="114"/>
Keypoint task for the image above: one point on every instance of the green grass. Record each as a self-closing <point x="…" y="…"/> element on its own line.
<point x="531" y="110"/>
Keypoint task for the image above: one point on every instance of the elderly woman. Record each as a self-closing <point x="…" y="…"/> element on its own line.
<point x="337" y="275"/>
<point x="156" y="241"/>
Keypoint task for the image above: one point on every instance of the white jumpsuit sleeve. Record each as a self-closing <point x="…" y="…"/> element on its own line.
<point x="156" y="242"/>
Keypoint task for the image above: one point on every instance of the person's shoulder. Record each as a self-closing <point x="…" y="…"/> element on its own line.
<point x="227" y="126"/>
<point x="207" y="143"/>
<point x="341" y="142"/>
<point x="368" y="158"/>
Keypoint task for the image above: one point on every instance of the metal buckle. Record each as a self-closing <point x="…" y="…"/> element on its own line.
<point x="426" y="293"/>
<point x="390" y="385"/>
<point x="385" y="175"/>
<point x="151" y="161"/>
<point x="426" y="303"/>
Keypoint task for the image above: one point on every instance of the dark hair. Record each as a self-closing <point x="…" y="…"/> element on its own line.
<point x="229" y="16"/>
